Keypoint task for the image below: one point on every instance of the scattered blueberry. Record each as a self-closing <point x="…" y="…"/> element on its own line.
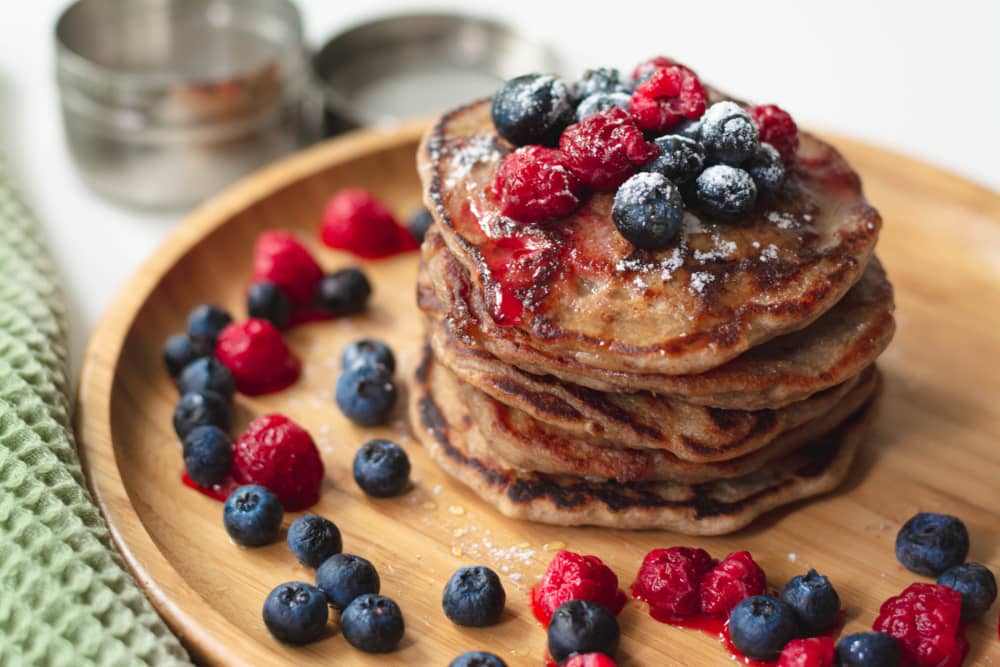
<point x="766" y="168"/>
<point x="381" y="468"/>
<point x="372" y="623"/>
<point x="296" y="612"/>
<point x="532" y="109"/>
<point x="366" y="394"/>
<point x="178" y="352"/>
<point x="344" y="292"/>
<point x="252" y="515"/>
<point x="477" y="659"/>
<point x="868" y="649"/>
<point x="368" y="351"/>
<point x="975" y="583"/>
<point x="344" y="577"/>
<point x="599" y="80"/>
<point x="267" y="301"/>
<point x="728" y="133"/>
<point x="929" y="543"/>
<point x="680" y="159"/>
<point x="200" y="409"/>
<point x="760" y="626"/>
<point x="207" y="374"/>
<point x="814" y="600"/>
<point x="648" y="210"/>
<point x="582" y="626"/>
<point x="725" y="191"/>
<point x="313" y="539"/>
<point x="688" y="128"/>
<point x="419" y="223"/>
<point x="204" y="325"/>
<point x="208" y="454"/>
<point x="474" y="597"/>
<point x="599" y="102"/>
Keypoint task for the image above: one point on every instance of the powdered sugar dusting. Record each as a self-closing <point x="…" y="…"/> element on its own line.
<point x="782" y="220"/>
<point x="700" y="280"/>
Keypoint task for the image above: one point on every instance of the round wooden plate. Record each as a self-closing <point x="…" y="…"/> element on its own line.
<point x="934" y="447"/>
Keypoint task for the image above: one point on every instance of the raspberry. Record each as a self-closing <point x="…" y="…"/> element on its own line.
<point x="279" y="258"/>
<point x="926" y="621"/>
<point x="356" y="221"/>
<point x="534" y="185"/>
<point x="670" y="579"/>
<point x="776" y="127"/>
<point x="256" y="355"/>
<point x="277" y="453"/>
<point x="669" y="96"/>
<point x="604" y="149"/>
<point x="589" y="660"/>
<point x="646" y="68"/>
<point x="813" y="652"/>
<point x="736" y="576"/>
<point x="571" y="576"/>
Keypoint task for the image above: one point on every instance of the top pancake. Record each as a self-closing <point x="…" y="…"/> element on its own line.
<point x="575" y="288"/>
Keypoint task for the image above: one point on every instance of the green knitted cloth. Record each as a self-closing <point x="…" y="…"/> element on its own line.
<point x="65" y="596"/>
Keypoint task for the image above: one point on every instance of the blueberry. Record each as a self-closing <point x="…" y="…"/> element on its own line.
<point x="344" y="577"/>
<point x="477" y="659"/>
<point x="368" y="351"/>
<point x="975" y="583"/>
<point x="344" y="292"/>
<point x="267" y="301"/>
<point x="582" y="626"/>
<point x="599" y="102"/>
<point x="200" y="409"/>
<point x="381" y="468"/>
<point x="532" y="109"/>
<point x="474" y="597"/>
<point x="814" y="600"/>
<point x="252" y="515"/>
<point x="207" y="374"/>
<point x="313" y="539"/>
<point x="366" y="394"/>
<point x="208" y="454"/>
<point x="766" y="168"/>
<point x="178" y="352"/>
<point x="419" y="223"/>
<point x="760" y="626"/>
<point x="296" y="612"/>
<point x="725" y="191"/>
<point x="728" y="133"/>
<point x="204" y="325"/>
<point x="929" y="543"/>
<point x="648" y="210"/>
<point x="599" y="80"/>
<point x="372" y="623"/>
<point x="688" y="128"/>
<point x="868" y="649"/>
<point x="680" y="159"/>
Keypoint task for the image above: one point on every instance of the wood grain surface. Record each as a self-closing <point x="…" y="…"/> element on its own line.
<point x="935" y="446"/>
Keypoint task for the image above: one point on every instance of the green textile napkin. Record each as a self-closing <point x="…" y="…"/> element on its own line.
<point x="65" y="595"/>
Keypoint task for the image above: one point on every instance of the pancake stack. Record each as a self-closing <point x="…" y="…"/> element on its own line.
<point x="572" y="379"/>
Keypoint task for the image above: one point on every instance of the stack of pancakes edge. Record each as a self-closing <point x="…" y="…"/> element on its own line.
<point x="690" y="389"/>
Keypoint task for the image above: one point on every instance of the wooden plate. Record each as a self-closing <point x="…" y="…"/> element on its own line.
<point x="936" y="445"/>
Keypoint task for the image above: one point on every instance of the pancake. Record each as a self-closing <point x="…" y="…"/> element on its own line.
<point x="576" y="291"/>
<point x="711" y="508"/>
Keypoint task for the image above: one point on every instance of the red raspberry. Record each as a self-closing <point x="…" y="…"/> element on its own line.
<point x="649" y="66"/>
<point x="534" y="185"/>
<point x="571" y="576"/>
<point x="257" y="356"/>
<point x="605" y="148"/>
<point x="813" y="652"/>
<point x="736" y="576"/>
<point x="925" y="620"/>
<point x="355" y="221"/>
<point x="669" y="96"/>
<point x="280" y="258"/>
<point x="670" y="580"/>
<point x="277" y="453"/>
<point x="776" y="127"/>
<point x="589" y="660"/>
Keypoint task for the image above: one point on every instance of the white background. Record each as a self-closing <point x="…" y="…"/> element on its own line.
<point x="919" y="77"/>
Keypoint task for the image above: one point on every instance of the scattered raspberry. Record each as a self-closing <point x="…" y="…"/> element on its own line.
<point x="813" y="652"/>
<point x="776" y="127"/>
<point x="925" y="620"/>
<point x="256" y="355"/>
<point x="669" y="96"/>
<point x="277" y="453"/>
<point x="604" y="149"/>
<point x="356" y="221"/>
<point x="571" y="576"/>
<point x="589" y="660"/>
<point x="736" y="576"/>
<point x="279" y="258"/>
<point x="646" y="68"/>
<point x="534" y="185"/>
<point x="670" y="580"/>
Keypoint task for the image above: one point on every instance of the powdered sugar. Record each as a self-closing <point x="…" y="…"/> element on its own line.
<point x="700" y="280"/>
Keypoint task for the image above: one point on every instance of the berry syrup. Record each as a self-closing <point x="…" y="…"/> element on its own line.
<point x="219" y="491"/>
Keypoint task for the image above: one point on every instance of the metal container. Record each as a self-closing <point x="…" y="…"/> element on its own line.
<point x="410" y="65"/>
<point x="165" y="102"/>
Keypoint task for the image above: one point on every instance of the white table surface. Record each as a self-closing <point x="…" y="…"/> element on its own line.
<point x="917" y="76"/>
